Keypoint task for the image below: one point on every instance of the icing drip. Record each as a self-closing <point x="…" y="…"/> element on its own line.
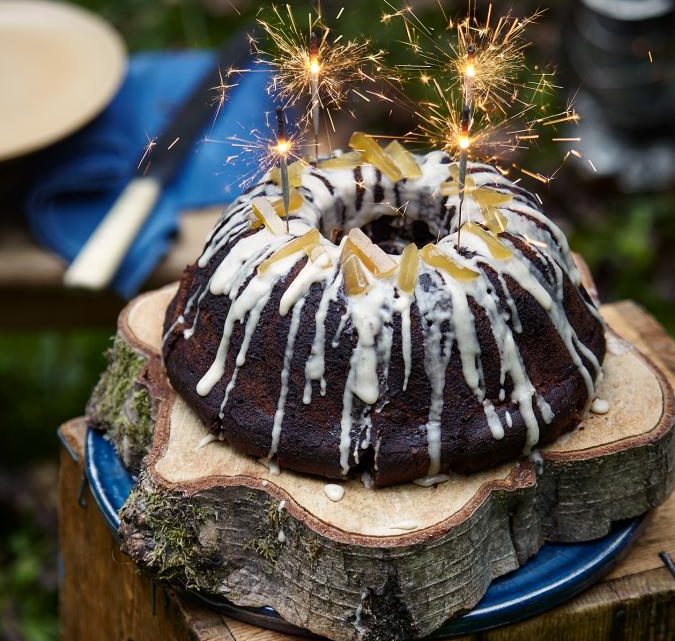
<point x="430" y="481"/>
<point x="402" y="306"/>
<point x="316" y="366"/>
<point x="288" y="357"/>
<point x="209" y="438"/>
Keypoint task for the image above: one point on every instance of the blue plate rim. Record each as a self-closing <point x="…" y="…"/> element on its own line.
<point x="479" y="619"/>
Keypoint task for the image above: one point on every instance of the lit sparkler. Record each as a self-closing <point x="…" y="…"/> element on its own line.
<point x="262" y="149"/>
<point x="479" y="105"/>
<point x="282" y="149"/>
<point x="311" y="64"/>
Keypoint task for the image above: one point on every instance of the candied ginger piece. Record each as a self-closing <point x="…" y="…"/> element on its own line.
<point x="403" y="159"/>
<point x="264" y="214"/>
<point x="355" y="277"/>
<point x="295" y="171"/>
<point x="345" y="161"/>
<point x="434" y="257"/>
<point x="307" y="243"/>
<point x="374" y="154"/>
<point x="494" y="220"/>
<point x="408" y="268"/>
<point x="318" y="254"/>
<point x="486" y="197"/>
<point x="451" y="188"/>
<point x="296" y="201"/>
<point x="373" y="257"/>
<point x="494" y="245"/>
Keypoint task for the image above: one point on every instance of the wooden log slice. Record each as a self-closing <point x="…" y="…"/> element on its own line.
<point x="392" y="563"/>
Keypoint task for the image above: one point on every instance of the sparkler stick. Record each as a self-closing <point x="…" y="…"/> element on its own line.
<point x="465" y="140"/>
<point x="282" y="149"/>
<point x="314" y="69"/>
<point x="464" y="144"/>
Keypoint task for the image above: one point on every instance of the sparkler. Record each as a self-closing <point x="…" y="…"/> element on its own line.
<point x="313" y="64"/>
<point x="479" y="105"/>
<point x="283" y="147"/>
<point x="314" y="70"/>
<point x="261" y="149"/>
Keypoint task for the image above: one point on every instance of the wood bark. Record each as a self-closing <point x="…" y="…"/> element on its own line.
<point x="390" y="564"/>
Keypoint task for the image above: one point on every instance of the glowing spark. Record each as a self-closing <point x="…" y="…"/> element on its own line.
<point x="536" y="176"/>
<point x="491" y="55"/>
<point x="282" y="148"/>
<point x="651" y="58"/>
<point x="173" y="143"/>
<point x="221" y="90"/>
<point x="146" y="150"/>
<point x="590" y="162"/>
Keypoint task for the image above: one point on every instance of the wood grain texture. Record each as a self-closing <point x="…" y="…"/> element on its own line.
<point x="396" y="562"/>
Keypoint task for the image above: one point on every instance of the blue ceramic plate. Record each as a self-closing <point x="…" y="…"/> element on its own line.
<point x="556" y="573"/>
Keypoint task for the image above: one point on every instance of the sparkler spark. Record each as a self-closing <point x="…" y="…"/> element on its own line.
<point x="146" y="151"/>
<point x="322" y="69"/>
<point x="221" y="90"/>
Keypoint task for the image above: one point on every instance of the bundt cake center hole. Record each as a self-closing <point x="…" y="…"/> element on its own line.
<point x="393" y="233"/>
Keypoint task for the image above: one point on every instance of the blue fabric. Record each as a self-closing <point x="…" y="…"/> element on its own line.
<point x="83" y="175"/>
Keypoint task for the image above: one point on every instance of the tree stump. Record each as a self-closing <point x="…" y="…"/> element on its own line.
<point x="392" y="563"/>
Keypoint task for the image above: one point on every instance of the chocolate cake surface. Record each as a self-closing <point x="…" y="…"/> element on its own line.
<point x="496" y="347"/>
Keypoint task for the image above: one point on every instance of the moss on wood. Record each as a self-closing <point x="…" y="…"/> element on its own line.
<point x="123" y="407"/>
<point x="266" y="542"/>
<point x="184" y="546"/>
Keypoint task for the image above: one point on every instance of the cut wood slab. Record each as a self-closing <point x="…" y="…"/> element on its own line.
<point x="392" y="563"/>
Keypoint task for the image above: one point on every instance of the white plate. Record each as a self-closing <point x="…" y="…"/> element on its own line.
<point x="59" y="67"/>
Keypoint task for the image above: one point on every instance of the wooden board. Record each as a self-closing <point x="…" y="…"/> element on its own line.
<point x="398" y="560"/>
<point x="101" y="589"/>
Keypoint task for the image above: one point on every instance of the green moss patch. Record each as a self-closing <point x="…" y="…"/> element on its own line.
<point x="123" y="407"/>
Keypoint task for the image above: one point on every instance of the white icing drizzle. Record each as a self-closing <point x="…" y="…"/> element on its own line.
<point x="430" y="481"/>
<point x="272" y="466"/>
<point x="402" y="306"/>
<point x="315" y="366"/>
<point x="443" y="303"/>
<point x="538" y="461"/>
<point x="288" y="357"/>
<point x="209" y="438"/>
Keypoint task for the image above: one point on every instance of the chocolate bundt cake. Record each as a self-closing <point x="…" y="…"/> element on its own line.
<point x="348" y="339"/>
